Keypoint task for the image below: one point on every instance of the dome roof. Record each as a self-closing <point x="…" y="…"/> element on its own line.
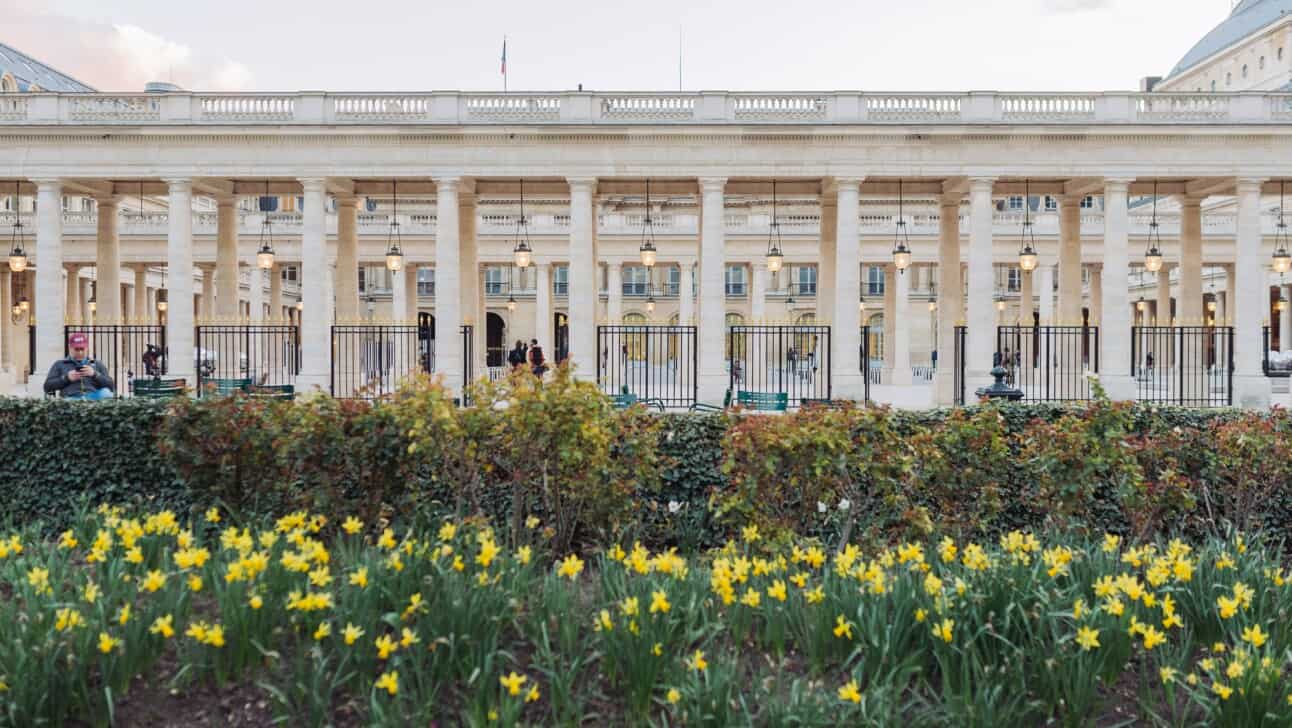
<point x="1247" y="17"/>
<point x="29" y="72"/>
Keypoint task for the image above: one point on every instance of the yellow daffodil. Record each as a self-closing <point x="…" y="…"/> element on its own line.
<point x="513" y="683"/>
<point x="697" y="662"/>
<point x="1088" y="638"/>
<point x="385" y="646"/>
<point x="673" y="696"/>
<point x="944" y="630"/>
<point x="163" y="626"/>
<point x="842" y="628"/>
<point x="749" y="533"/>
<point x="1254" y="635"/>
<point x="324" y="630"/>
<point x="389" y="681"/>
<point x="351" y="633"/>
<point x="850" y="692"/>
<point x="213" y="515"/>
<point x="107" y="642"/>
<point x="352" y="525"/>
<point x="533" y="695"/>
<point x="570" y="567"/>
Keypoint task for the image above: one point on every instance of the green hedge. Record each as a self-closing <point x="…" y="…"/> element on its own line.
<point x="674" y="479"/>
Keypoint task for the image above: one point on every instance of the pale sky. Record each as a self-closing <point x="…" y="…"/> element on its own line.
<point x="401" y="45"/>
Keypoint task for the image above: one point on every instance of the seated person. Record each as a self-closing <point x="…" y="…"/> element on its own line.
<point x="78" y="376"/>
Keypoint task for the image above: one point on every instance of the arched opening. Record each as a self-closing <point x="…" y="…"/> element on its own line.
<point x="736" y="341"/>
<point x="8" y="85"/>
<point x="806" y="341"/>
<point x="495" y="340"/>
<point x="561" y="337"/>
<point x="634" y="342"/>
<point x="426" y="340"/>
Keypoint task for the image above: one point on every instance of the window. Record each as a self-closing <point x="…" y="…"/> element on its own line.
<point x="636" y="280"/>
<point x="1015" y="202"/>
<point x="1051" y="203"/>
<point x="735" y="280"/>
<point x="363" y="278"/>
<point x="425" y="281"/>
<point x="561" y="280"/>
<point x="1229" y="79"/>
<point x="807" y="280"/>
<point x="496" y="283"/>
<point x="1261" y="63"/>
<point x="1014" y="280"/>
<point x="289" y="273"/>
<point x="874" y="281"/>
<point x="1280" y="54"/>
<point x="1088" y="203"/>
<point x="1213" y="85"/>
<point x="1244" y="70"/>
<point x="674" y="281"/>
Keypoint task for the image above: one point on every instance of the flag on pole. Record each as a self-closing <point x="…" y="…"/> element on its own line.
<point x="504" y="55"/>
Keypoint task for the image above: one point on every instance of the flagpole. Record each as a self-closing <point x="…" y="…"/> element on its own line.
<point x="504" y="64"/>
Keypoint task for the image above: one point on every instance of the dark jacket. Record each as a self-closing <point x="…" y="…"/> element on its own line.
<point x="517" y="357"/>
<point x="57" y="380"/>
<point x="536" y="359"/>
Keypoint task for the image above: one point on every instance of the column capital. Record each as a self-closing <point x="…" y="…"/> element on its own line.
<point x="225" y="200"/>
<point x="1249" y="184"/>
<point x="1069" y="200"/>
<point x="590" y="183"/>
<point x="447" y="183"/>
<point x="1119" y="183"/>
<point x="47" y="182"/>
<point x="179" y="183"/>
<point x="834" y="184"/>
<point x="977" y="182"/>
<point x="712" y="184"/>
<point x="345" y="200"/>
<point x="1189" y="200"/>
<point x="313" y="184"/>
<point x="111" y="200"/>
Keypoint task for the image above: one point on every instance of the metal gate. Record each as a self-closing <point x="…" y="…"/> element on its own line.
<point x="264" y="354"/>
<point x="1049" y="363"/>
<point x="127" y="351"/>
<point x="371" y="360"/>
<point x="1277" y="364"/>
<point x="958" y="383"/>
<point x="865" y="360"/>
<point x="651" y="361"/>
<point x="793" y="359"/>
<point x="1188" y="366"/>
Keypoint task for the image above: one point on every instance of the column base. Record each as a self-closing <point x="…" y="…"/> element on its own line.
<point x="901" y="377"/>
<point x="975" y="381"/>
<point x="944" y="385"/>
<point x="713" y="388"/>
<point x="1118" y="387"/>
<point x="308" y="385"/>
<point x="36" y="385"/>
<point x="1252" y="392"/>
<point x="850" y="386"/>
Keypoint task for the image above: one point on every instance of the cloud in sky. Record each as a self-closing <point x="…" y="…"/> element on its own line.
<point x="114" y="57"/>
<point x="1074" y="6"/>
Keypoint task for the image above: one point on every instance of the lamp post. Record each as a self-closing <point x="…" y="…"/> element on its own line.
<point x="775" y="256"/>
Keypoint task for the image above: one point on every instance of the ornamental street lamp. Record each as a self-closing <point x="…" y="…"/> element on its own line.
<point x="264" y="256"/>
<point x="647" y="248"/>
<point x="901" y="239"/>
<point x="17" y="251"/>
<point x="523" y="253"/>
<point x="394" y="250"/>
<point x="1153" y="257"/>
<point x="1027" y="257"/>
<point x="775" y="257"/>
<point x="1282" y="257"/>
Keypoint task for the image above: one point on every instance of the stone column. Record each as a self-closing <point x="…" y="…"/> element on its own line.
<point x="1046" y="284"/>
<point x="544" y="324"/>
<point x="1026" y="296"/>
<point x="902" y="332"/>
<point x="181" y="355"/>
<point x="6" y="321"/>
<point x="73" y="284"/>
<point x="208" y="292"/>
<point x="276" y="292"/>
<point x="981" y="312"/>
<point x="1251" y="301"/>
<point x="1285" y="321"/>
<point x="347" y="259"/>
<point x="1069" y="313"/>
<point x="141" y="314"/>
<point x="583" y="282"/>
<point x="614" y="292"/>
<point x="411" y="306"/>
<point x="315" y="332"/>
<point x="685" y="286"/>
<point x="1114" y="337"/>
<point x="1189" y="311"/>
<point x="471" y="277"/>
<point x="226" y="262"/>
<point x="1163" y="303"/>
<point x="398" y="295"/>
<point x="890" y="320"/>
<point x="827" y="270"/>
<point x="1096" y="295"/>
<point x="950" y="297"/>
<point x="712" y="333"/>
<point x="758" y="292"/>
<point x="107" y="263"/>
<point x="845" y="336"/>
<point x="448" y="293"/>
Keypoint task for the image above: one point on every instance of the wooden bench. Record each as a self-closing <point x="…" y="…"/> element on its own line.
<point x="157" y="388"/>
<point x="273" y="391"/>
<point x="763" y="401"/>
<point x="624" y="400"/>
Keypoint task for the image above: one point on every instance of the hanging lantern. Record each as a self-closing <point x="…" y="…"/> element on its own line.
<point x="789" y="295"/>
<point x="523" y="252"/>
<point x="901" y="239"/>
<point x="650" y="304"/>
<point x="394" y="251"/>
<point x="647" y="248"/>
<point x="1153" y="257"/>
<point x="161" y="298"/>
<point x="265" y="256"/>
<point x="1211" y="306"/>
<point x="933" y="306"/>
<point x="24" y="304"/>
<point x="511" y="302"/>
<point x="1000" y="304"/>
<point x="300" y="305"/>
<point x="17" y="251"/>
<point x="775" y="258"/>
<point x="1027" y="257"/>
<point x="1141" y="304"/>
<point x="1282" y="257"/>
<point x="861" y="303"/>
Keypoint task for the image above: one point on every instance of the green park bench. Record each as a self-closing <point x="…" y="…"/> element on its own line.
<point x="624" y="400"/>
<point x="702" y="407"/>
<point x="763" y="401"/>
<point x="225" y="387"/>
<point x="157" y="388"/>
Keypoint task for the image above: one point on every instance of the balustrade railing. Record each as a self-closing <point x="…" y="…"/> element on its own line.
<point x="452" y="107"/>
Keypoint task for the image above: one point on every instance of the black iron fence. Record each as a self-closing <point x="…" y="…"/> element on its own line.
<point x="1049" y="363"/>
<point x="650" y="361"/>
<point x="958" y="382"/>
<point x="1275" y="363"/>
<point x="370" y="361"/>
<point x="1188" y="366"/>
<point x="268" y="354"/>
<point x="127" y="351"/>
<point x="865" y="360"/>
<point x="789" y="359"/>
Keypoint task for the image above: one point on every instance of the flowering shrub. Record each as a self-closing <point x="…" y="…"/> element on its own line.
<point x="323" y="617"/>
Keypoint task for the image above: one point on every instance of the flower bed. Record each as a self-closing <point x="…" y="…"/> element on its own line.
<point x="337" y="621"/>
